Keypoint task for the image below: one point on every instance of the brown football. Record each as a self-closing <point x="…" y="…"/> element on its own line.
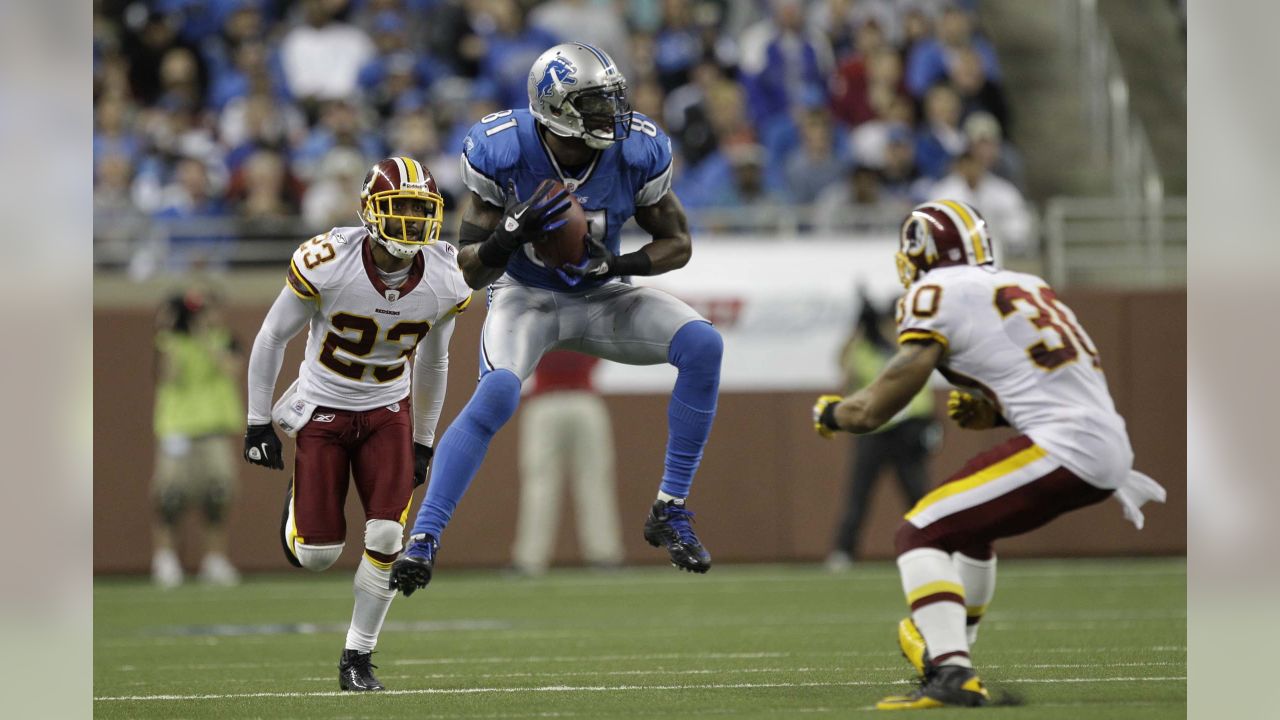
<point x="567" y="243"/>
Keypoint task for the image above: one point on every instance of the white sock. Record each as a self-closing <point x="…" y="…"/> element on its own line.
<point x="373" y="598"/>
<point x="670" y="498"/>
<point x="979" y="580"/>
<point x="936" y="596"/>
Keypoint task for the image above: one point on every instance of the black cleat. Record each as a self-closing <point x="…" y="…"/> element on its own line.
<point x="355" y="672"/>
<point x="412" y="571"/>
<point x="670" y="525"/>
<point x="945" y="686"/>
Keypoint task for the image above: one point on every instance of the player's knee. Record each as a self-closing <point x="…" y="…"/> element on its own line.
<point x="170" y="503"/>
<point x="214" y="504"/>
<point x="383" y="536"/>
<point x="909" y="537"/>
<point x="978" y="550"/>
<point x="697" y="345"/>
<point x="317" y="557"/>
<point x="495" y="400"/>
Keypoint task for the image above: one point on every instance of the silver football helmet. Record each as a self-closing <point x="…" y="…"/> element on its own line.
<point x="576" y="90"/>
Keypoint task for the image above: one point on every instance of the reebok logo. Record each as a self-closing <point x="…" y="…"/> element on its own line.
<point x="386" y="312"/>
<point x="323" y="417"/>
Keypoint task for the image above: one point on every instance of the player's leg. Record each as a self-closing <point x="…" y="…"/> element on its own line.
<point x="543" y="450"/>
<point x="1009" y="490"/>
<point x="976" y="566"/>
<point x="382" y="465"/>
<point x="169" y="499"/>
<point x="591" y="460"/>
<point x="216" y="490"/>
<point x="521" y="324"/>
<point x="314" y="527"/>
<point x="644" y="326"/>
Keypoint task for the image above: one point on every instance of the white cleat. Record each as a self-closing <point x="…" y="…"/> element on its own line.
<point x="216" y="569"/>
<point x="166" y="571"/>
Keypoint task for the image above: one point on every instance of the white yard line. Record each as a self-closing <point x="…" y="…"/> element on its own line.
<point x="588" y="688"/>
<point x="656" y="656"/>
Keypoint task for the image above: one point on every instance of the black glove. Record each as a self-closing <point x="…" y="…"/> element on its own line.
<point x="421" y="459"/>
<point x="529" y="220"/>
<point x="524" y="222"/>
<point x="262" y="447"/>
<point x="600" y="262"/>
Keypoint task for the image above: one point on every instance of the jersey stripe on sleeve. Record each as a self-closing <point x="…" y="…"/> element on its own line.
<point x="299" y="284"/>
<point x="918" y="334"/>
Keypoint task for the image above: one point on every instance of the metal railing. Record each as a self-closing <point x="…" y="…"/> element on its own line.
<point x="144" y="247"/>
<point x="1118" y="135"/>
<point x="1116" y="241"/>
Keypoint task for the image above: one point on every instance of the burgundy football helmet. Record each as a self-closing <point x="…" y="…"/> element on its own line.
<point x="940" y="233"/>
<point x="401" y="206"/>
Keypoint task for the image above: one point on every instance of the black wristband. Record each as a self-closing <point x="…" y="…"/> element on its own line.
<point x="492" y="254"/>
<point x="633" y="263"/>
<point x="828" y="417"/>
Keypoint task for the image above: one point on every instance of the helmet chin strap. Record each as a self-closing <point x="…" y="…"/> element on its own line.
<point x="396" y="249"/>
<point x="596" y="143"/>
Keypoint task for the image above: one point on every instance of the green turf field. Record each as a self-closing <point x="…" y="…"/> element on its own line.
<point x="1072" y="639"/>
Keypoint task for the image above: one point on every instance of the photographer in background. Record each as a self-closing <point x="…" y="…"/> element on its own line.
<point x="904" y="442"/>
<point x="198" y="411"/>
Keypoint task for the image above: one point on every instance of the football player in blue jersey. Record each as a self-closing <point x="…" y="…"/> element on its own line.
<point x="579" y="129"/>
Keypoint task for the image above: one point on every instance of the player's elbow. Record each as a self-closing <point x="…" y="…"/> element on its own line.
<point x="681" y="250"/>
<point x="856" y="416"/>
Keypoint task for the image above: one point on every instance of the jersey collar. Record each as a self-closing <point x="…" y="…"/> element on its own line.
<point x="416" y="272"/>
<point x="569" y="182"/>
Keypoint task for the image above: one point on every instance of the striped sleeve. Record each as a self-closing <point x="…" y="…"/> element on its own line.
<point x="299" y="284"/>
<point x="461" y="306"/>
<point x="923" y="316"/>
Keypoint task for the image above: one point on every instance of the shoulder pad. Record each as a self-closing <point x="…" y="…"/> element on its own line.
<point x="647" y="153"/>
<point x="490" y="151"/>
<point x="313" y="263"/>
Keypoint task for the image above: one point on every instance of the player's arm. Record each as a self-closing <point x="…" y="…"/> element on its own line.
<point x="430" y="377"/>
<point x="866" y="410"/>
<point x="479" y="219"/>
<point x="288" y="314"/>
<point x="667" y="224"/>
<point x="286" y="318"/>
<point x="489" y="234"/>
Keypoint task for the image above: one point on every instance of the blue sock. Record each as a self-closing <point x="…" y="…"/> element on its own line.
<point x="695" y="351"/>
<point x="463" y="446"/>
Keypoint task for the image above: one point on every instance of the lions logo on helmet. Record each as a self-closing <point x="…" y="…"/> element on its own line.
<point x="401" y="207"/>
<point x="559" y="71"/>
<point x="576" y="91"/>
<point x="941" y="233"/>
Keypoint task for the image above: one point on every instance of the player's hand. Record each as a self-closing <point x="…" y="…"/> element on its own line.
<point x="972" y="412"/>
<point x="600" y="262"/>
<point x="421" y="460"/>
<point x="262" y="447"/>
<point x="824" y="415"/>
<point x="536" y="216"/>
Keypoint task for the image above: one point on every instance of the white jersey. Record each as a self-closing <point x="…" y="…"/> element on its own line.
<point x="361" y="334"/>
<point x="1007" y="335"/>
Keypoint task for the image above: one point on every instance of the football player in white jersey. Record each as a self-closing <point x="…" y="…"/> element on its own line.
<point x="1024" y="361"/>
<point x="371" y="295"/>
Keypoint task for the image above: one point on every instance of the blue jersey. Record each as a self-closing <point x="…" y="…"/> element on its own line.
<point x="504" y="153"/>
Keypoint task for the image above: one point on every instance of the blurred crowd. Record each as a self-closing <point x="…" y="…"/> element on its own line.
<point x="266" y="110"/>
